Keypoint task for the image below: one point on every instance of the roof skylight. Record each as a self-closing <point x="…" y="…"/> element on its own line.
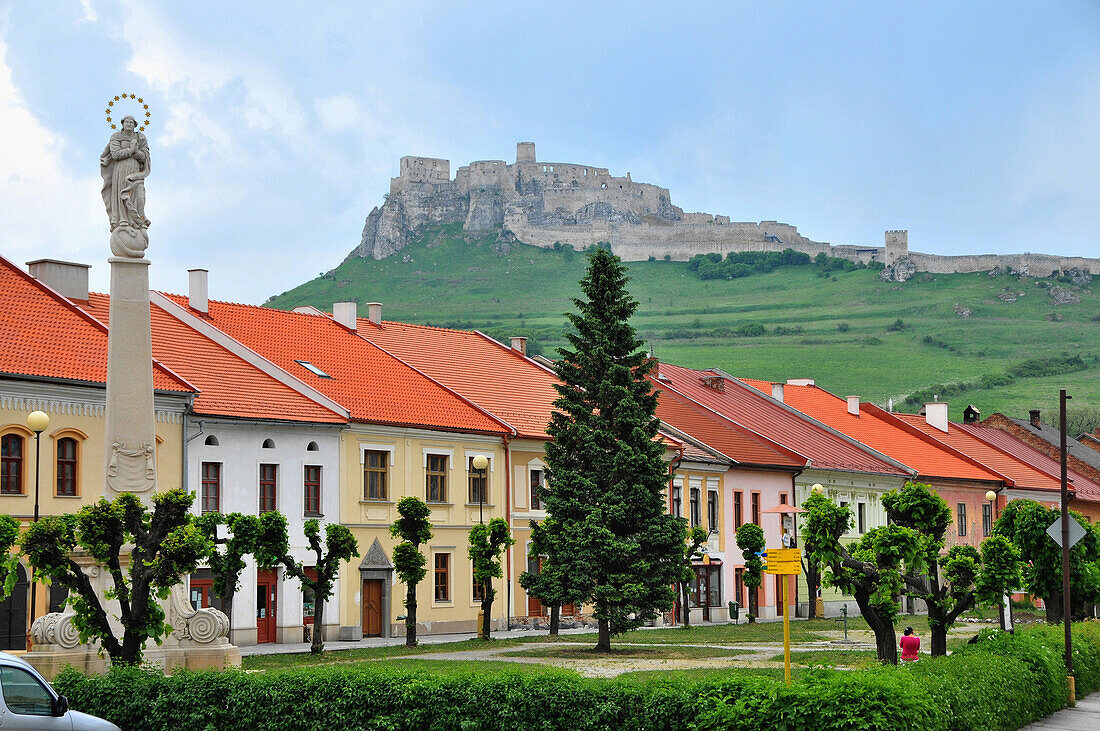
<point x="312" y="368"/>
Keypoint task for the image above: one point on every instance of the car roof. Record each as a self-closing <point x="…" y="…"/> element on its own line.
<point x="16" y="660"/>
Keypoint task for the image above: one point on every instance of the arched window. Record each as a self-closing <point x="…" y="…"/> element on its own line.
<point x="67" y="466"/>
<point x="269" y="444"/>
<point x="211" y="441"/>
<point x="312" y="447"/>
<point x="11" y="464"/>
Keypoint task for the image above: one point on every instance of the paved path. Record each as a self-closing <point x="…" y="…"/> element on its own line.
<point x="274" y="648"/>
<point x="1085" y="717"/>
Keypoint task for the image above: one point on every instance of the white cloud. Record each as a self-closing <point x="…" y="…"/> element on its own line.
<point x="47" y="211"/>
<point x="338" y="112"/>
<point x="90" y="15"/>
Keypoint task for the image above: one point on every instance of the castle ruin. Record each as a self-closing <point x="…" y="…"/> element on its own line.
<point x="546" y="203"/>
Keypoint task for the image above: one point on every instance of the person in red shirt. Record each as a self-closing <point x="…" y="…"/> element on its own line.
<point x="910" y="645"/>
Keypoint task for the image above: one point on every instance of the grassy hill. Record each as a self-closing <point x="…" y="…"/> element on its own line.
<point x="839" y="328"/>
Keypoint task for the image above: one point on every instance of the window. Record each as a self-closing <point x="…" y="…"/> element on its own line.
<point x="960" y="513"/>
<point x="23" y="694"/>
<point x="211" y="487"/>
<point x="782" y="498"/>
<point x="987" y="519"/>
<point x="202" y="590"/>
<point x="712" y="511"/>
<point x="311" y="489"/>
<point x="309" y="597"/>
<point x="861" y="517"/>
<point x="739" y="586"/>
<point x="211" y="441"/>
<point x="374" y="474"/>
<point x="696" y="508"/>
<point x="478" y="587"/>
<point x="66" y="466"/>
<point x="847" y="513"/>
<point x="268" y="444"/>
<point x="538" y="478"/>
<point x="312" y="369"/>
<point x="268" y="478"/>
<point x="479" y="482"/>
<point x="443" y="577"/>
<point x="437" y="478"/>
<point x="738" y="509"/>
<point x="11" y="464"/>
<point x="756" y="508"/>
<point x="312" y="447"/>
<point x="677" y="502"/>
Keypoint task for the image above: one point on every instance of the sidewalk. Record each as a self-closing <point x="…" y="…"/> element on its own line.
<point x="1085" y="717"/>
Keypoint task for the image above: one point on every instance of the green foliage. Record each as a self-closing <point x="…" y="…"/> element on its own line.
<point x="1031" y="368"/>
<point x="1001" y="683"/>
<point x="9" y="561"/>
<point x="744" y="263"/>
<point x="166" y="545"/>
<point x="1001" y="571"/>
<point x="487" y="542"/>
<point x="896" y="326"/>
<point x="750" y="539"/>
<point x="615" y="545"/>
<point x="414" y="528"/>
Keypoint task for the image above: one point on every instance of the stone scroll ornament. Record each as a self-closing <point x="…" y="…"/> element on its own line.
<point x="124" y="165"/>
<point x="131" y="470"/>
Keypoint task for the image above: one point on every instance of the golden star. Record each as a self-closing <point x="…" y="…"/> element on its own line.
<point x="140" y="100"/>
<point x="146" y="106"/>
<point x="133" y="96"/>
<point x="116" y="98"/>
<point x="112" y="126"/>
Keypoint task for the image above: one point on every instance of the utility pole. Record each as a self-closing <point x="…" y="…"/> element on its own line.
<point x="1066" y="615"/>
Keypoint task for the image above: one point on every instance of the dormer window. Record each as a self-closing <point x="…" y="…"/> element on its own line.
<point x="312" y="369"/>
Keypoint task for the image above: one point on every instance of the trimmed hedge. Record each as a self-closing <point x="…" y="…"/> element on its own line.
<point x="1002" y="682"/>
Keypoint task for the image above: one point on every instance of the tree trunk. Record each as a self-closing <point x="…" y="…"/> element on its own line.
<point x="886" y="641"/>
<point x="555" y="619"/>
<point x="753" y="596"/>
<point x="685" y="608"/>
<point x="486" y="614"/>
<point x="227" y="608"/>
<point x="603" y="644"/>
<point x="1053" y="605"/>
<point x="318" y="644"/>
<point x="937" y="627"/>
<point x="410" y="616"/>
<point x="812" y="581"/>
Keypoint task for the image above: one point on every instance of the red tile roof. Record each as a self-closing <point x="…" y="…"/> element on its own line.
<point x="229" y="385"/>
<point x="44" y="334"/>
<point x="746" y="406"/>
<point x="497" y="378"/>
<point x="372" y="384"/>
<point x="885" y="433"/>
<point x="1005" y="441"/>
<point x="730" y="439"/>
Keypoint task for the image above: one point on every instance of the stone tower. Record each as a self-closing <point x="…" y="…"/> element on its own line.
<point x="525" y="152"/>
<point x="897" y="246"/>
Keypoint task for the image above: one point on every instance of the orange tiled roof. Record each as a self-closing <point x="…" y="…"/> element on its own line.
<point x="228" y="385"/>
<point x="885" y="433"/>
<point x="1006" y="441"/>
<point x="44" y="334"/>
<point x="729" y="438"/>
<point x="494" y="376"/>
<point x="746" y="406"/>
<point x="372" y="384"/>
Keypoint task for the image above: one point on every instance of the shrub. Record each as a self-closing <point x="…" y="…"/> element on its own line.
<point x="843" y="327"/>
<point x="750" y="330"/>
<point x="896" y="326"/>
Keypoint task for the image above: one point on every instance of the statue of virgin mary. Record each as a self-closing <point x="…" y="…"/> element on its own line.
<point x="124" y="166"/>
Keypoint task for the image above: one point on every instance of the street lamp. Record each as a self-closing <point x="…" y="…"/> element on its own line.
<point x="991" y="497"/>
<point x="37" y="422"/>
<point x="480" y="462"/>
<point x="817" y="489"/>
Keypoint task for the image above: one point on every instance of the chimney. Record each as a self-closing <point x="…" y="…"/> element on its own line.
<point x="1035" y="418"/>
<point x="718" y="383"/>
<point x="800" y="381"/>
<point x="777" y="392"/>
<point x="197" y="290"/>
<point x="520" y="345"/>
<point x="853" y="405"/>
<point x="347" y="314"/>
<point x="935" y="414"/>
<point x="374" y="312"/>
<point x="67" y="278"/>
<point x="971" y="414"/>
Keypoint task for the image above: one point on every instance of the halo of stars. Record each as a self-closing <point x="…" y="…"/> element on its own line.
<point x="122" y="97"/>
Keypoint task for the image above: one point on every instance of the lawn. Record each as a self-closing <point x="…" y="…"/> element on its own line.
<point x="841" y="658"/>
<point x="628" y="652"/>
<point x="264" y="662"/>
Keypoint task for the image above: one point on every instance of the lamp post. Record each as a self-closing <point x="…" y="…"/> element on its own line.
<point x="817" y="489"/>
<point x="480" y="462"/>
<point x="992" y="497"/>
<point x="37" y="422"/>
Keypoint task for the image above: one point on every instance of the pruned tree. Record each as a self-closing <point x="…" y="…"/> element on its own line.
<point x="487" y="542"/>
<point x="616" y="546"/>
<point x="9" y="561"/>
<point x="1025" y="523"/>
<point x="869" y="569"/>
<point x="414" y="528"/>
<point x="695" y="540"/>
<point x="166" y="545"/>
<point x="546" y="583"/>
<point x="812" y="569"/>
<point x="263" y="536"/>
<point x="339" y="546"/>
<point x="750" y="539"/>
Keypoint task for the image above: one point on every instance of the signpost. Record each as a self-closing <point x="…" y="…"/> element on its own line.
<point x="784" y="562"/>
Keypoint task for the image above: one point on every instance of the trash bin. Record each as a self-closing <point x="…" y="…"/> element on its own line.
<point x="819" y="605"/>
<point x="734" y="610"/>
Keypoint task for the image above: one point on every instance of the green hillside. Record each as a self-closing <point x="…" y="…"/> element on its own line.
<point x="839" y="328"/>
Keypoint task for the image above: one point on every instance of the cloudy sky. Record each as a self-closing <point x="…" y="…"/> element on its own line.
<point x="277" y="125"/>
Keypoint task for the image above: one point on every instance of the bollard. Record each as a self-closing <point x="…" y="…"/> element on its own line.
<point x="481" y="625"/>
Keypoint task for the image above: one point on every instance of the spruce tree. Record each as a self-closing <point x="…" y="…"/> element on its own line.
<point x="616" y="545"/>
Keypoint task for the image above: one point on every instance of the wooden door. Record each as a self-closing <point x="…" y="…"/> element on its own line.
<point x="13" y="615"/>
<point x="704" y="591"/>
<point x="534" y="606"/>
<point x="372" y="607"/>
<point x="267" y="603"/>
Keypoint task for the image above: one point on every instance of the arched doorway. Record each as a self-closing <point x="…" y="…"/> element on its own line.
<point x="13" y="616"/>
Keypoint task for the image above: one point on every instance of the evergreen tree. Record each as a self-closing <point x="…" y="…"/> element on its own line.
<point x="616" y="545"/>
<point x="414" y="528"/>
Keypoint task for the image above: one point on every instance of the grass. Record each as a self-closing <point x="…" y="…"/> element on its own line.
<point x="843" y="658"/>
<point x="295" y="659"/>
<point x="475" y="283"/>
<point x="669" y="652"/>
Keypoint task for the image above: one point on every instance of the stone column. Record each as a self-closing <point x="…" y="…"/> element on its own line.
<point x="131" y="430"/>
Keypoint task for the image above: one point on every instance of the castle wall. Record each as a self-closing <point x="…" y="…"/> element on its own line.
<point x="1037" y="265"/>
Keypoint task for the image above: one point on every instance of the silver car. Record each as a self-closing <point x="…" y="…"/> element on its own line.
<point x="30" y="703"/>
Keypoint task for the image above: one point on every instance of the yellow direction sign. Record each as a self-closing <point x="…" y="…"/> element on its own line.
<point x="783" y="554"/>
<point x="783" y="561"/>
<point x="783" y="568"/>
